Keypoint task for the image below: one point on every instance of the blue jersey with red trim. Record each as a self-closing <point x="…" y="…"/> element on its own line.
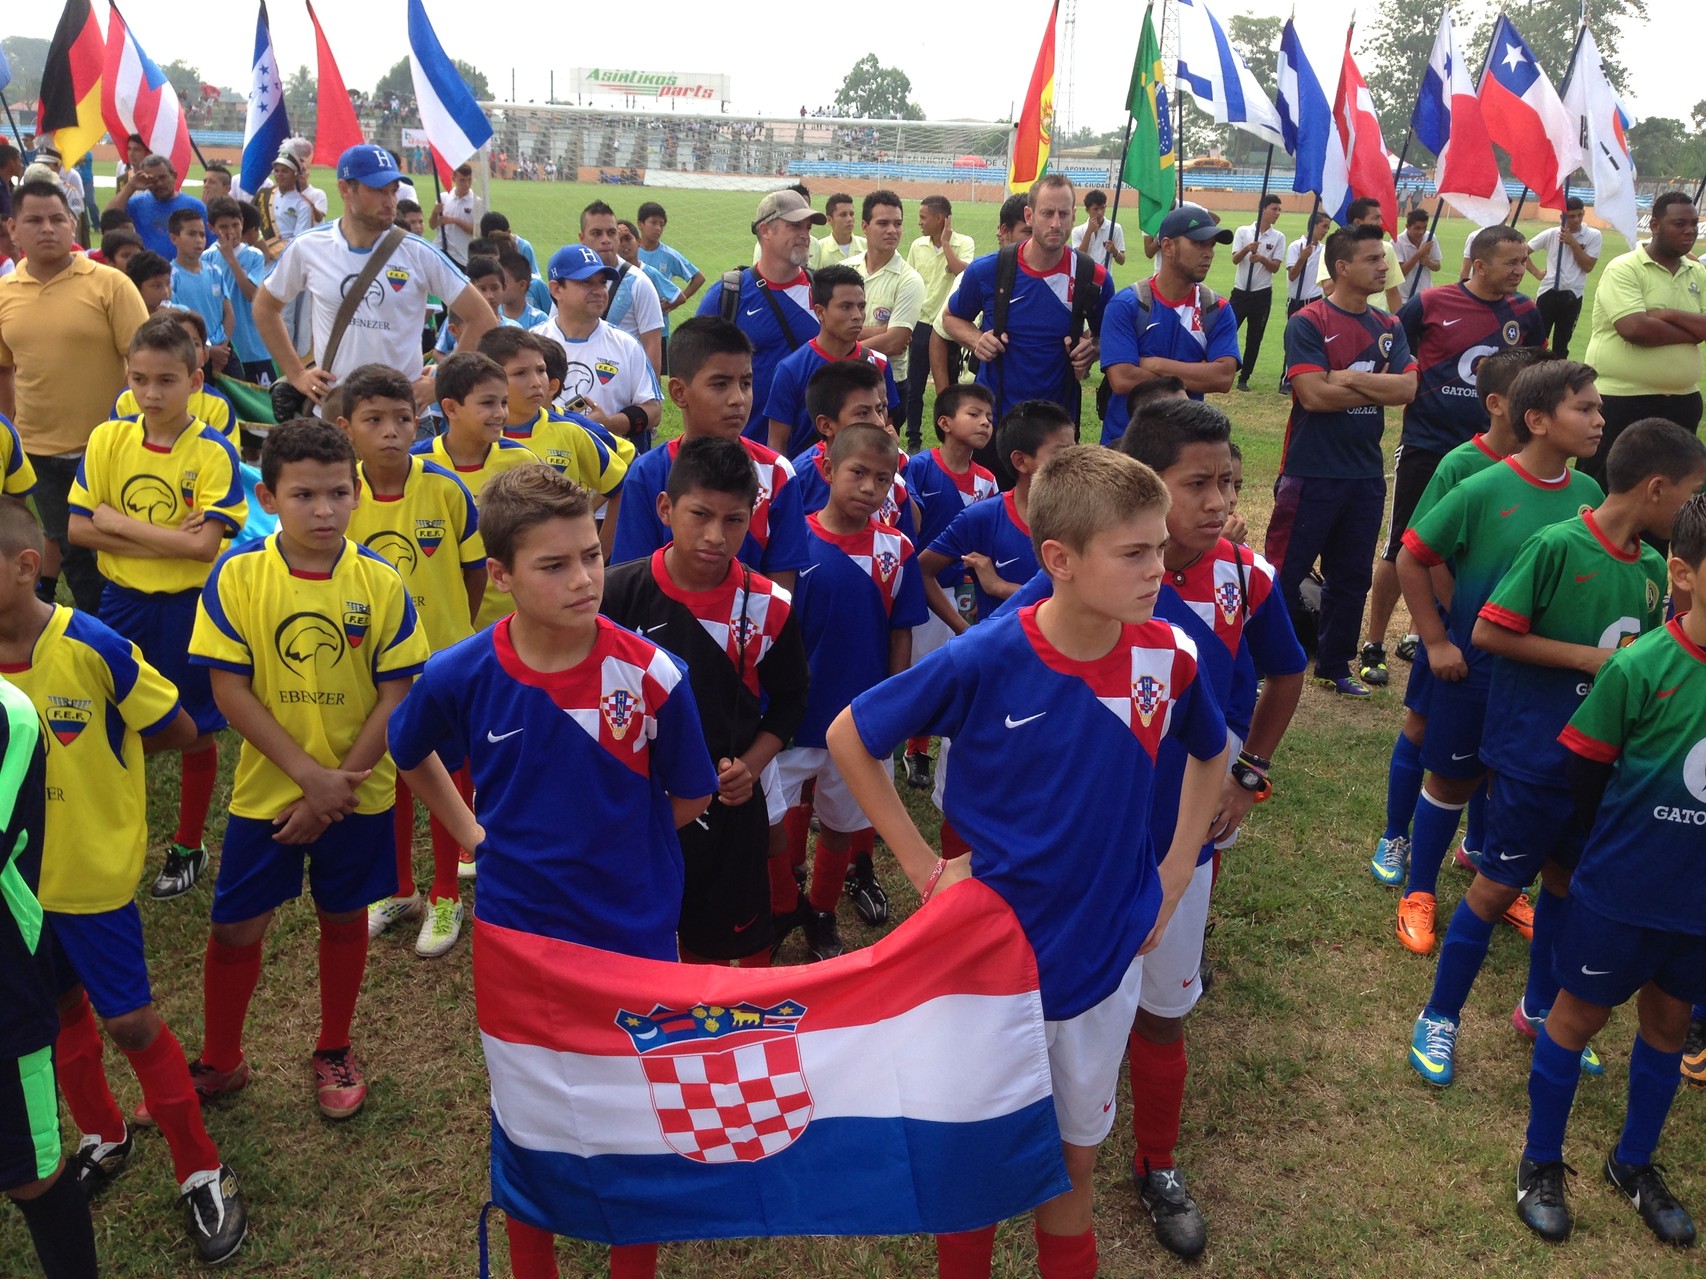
<point x="1053" y="780"/>
<point x="993" y="529"/>
<point x="809" y="473"/>
<point x="1339" y="444"/>
<point x="771" y="343"/>
<point x="787" y="399"/>
<point x="941" y="495"/>
<point x="1170" y="330"/>
<point x="623" y="725"/>
<point x="1452" y="331"/>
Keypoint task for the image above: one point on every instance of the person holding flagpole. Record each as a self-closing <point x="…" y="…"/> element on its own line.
<point x="1571" y="251"/>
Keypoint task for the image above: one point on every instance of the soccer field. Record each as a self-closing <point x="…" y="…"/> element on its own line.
<point x="1308" y="1141"/>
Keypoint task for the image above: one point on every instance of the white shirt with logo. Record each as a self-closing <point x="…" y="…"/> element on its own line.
<point x="1251" y="274"/>
<point x="453" y="239"/>
<point x="608" y="369"/>
<point x="1571" y="278"/>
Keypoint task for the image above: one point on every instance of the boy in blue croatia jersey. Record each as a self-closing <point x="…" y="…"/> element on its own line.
<point x="1474" y="532"/>
<point x="557" y="681"/>
<point x="1067" y="703"/>
<point x="838" y="301"/>
<point x="1636" y="922"/>
<point x="1577" y="592"/>
<point x="849" y="394"/>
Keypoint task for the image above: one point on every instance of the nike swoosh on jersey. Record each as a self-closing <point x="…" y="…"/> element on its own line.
<point x="1506" y="514"/>
<point x="1594" y="972"/>
<point x="1460" y="758"/>
<point x="755" y="310"/>
<point x="1446" y="324"/>
<point x="925" y="492"/>
<point x="1432" y="1068"/>
<point x="1586" y="577"/>
<point x="1015" y="723"/>
<point x="1331" y="337"/>
<point x="1005" y="563"/>
<point x="1665" y="692"/>
<point x="647" y="630"/>
<point x="806" y="572"/>
<point x="498" y="737"/>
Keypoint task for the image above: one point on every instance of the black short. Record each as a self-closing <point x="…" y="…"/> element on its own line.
<point x="725" y="901"/>
<point x="1415" y="468"/>
<point x="29" y="1120"/>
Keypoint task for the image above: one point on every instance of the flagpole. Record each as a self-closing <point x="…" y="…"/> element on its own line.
<point x="18" y="133"/>
<point x="1308" y="226"/>
<point x="1119" y="182"/>
<point x="1267" y="170"/>
<point x="1564" y="213"/>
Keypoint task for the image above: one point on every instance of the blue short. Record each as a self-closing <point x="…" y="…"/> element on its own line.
<point x="1420" y="684"/>
<point x="104" y="954"/>
<point x="1456" y="715"/>
<point x="1528" y="825"/>
<point x="1603" y="961"/>
<point x="160" y="625"/>
<point x="352" y="865"/>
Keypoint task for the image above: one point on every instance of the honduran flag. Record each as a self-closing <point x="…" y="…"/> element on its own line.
<point x="900" y="1089"/>
<point x="267" y="125"/>
<point x="1525" y="117"/>
<point x="454" y="123"/>
<point x="136" y="97"/>
<point x="1305" y="101"/>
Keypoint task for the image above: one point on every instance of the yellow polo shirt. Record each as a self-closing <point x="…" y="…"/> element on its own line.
<point x="67" y="339"/>
<point x="932" y="267"/>
<point x="894" y="297"/>
<point x="1630" y="284"/>
<point x="826" y="252"/>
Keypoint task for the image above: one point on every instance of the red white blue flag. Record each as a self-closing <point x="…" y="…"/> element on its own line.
<point x="136" y="97"/>
<point x="454" y="123"/>
<point x="900" y="1089"/>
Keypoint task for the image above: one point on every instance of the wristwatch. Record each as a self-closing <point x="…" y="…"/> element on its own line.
<point x="1251" y="778"/>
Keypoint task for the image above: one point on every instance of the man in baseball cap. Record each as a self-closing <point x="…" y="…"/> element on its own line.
<point x="786" y="205"/>
<point x="1193" y="222"/>
<point x="578" y="262"/>
<point x="367" y="164"/>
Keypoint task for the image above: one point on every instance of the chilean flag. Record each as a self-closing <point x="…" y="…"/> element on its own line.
<point x="454" y="123"/>
<point x="1525" y="117"/>
<point x="137" y="98"/>
<point x="1370" y="164"/>
<point x="900" y="1089"/>
<point x="1448" y="121"/>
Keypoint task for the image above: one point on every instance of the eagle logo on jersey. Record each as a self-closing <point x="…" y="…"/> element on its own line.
<point x="396" y="277"/>
<point x="68" y="716"/>
<point x="357" y="618"/>
<point x="308" y="643"/>
<point x="429" y="533"/>
<point x="149" y="498"/>
<point x="621" y="708"/>
<point x="576" y="382"/>
<point x="375" y="291"/>
<point x="1147" y="694"/>
<point x="186" y="487"/>
<point x="1512" y="333"/>
<point x="606" y="370"/>
<point x="394" y="548"/>
<point x="1228" y="597"/>
<point x="727" y="1084"/>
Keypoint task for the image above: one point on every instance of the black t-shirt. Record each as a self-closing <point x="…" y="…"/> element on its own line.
<point x="31" y="1020"/>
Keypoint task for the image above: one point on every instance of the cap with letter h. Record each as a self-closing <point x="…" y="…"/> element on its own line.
<point x="369" y="165"/>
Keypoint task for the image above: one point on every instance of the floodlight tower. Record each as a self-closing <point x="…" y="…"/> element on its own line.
<point x="1064" y="82"/>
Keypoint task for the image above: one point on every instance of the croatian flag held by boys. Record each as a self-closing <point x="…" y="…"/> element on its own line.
<point x="267" y="125"/>
<point x="1306" y="115"/>
<point x="137" y="98"/>
<point x="900" y="1089"/>
<point x="1448" y="121"/>
<point x="1525" y="117"/>
<point x="454" y="123"/>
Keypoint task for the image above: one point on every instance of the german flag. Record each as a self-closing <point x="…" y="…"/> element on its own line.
<point x="70" y="106"/>
<point x="1036" y="121"/>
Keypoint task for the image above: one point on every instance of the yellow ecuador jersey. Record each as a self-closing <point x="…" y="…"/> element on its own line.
<point x="314" y="647"/>
<point x="502" y="456"/>
<point x="562" y="441"/>
<point x="17" y="476"/>
<point x="430" y="533"/>
<point x="207" y="404"/>
<point x="98" y="699"/>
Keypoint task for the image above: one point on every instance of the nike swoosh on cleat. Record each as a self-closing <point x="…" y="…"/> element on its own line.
<point x="498" y="737"/>
<point x="1425" y="1063"/>
<point x="1015" y="723"/>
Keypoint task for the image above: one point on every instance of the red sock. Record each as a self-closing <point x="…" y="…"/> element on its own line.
<point x="799" y="826"/>
<point x="82" y="1078"/>
<point x="228" y="980"/>
<point x="967" y="1255"/>
<point x="532" y="1251"/>
<point x="343" y="961"/>
<point x="829" y="875"/>
<point x="863" y="842"/>
<point x="634" y="1261"/>
<point x="200" y="771"/>
<point x="952" y="845"/>
<point x="445" y="853"/>
<point x="167" y="1092"/>
<point x="918" y="746"/>
<point x="1157" y="1099"/>
<point x="1066" y="1256"/>
<point x="784" y="892"/>
<point x="403" y="831"/>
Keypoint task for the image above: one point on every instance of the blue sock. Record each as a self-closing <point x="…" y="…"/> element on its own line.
<point x="1653" y="1077"/>
<point x="1552" y="1081"/>
<point x="1698" y="1013"/>
<point x="1403" y="786"/>
<point x="1430" y="838"/>
<point x="1461" y="955"/>
<point x="1542" y="990"/>
<point x="1475" y="821"/>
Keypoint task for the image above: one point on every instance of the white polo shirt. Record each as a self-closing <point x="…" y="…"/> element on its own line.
<point x="1251" y="274"/>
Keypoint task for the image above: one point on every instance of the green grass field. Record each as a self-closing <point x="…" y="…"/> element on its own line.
<point x="1309" y="1142"/>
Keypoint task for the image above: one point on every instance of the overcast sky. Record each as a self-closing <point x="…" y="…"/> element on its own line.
<point x="974" y="70"/>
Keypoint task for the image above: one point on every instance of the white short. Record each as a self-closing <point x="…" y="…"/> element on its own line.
<point x="771" y="780"/>
<point x="1084" y="1056"/>
<point x="939" y="777"/>
<point x="929" y="636"/>
<point x="1172" y="971"/>
<point x="834" y="803"/>
<point x="1234" y="744"/>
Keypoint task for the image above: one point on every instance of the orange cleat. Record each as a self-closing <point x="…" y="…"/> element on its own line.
<point x="1416" y="922"/>
<point x="1520" y="916"/>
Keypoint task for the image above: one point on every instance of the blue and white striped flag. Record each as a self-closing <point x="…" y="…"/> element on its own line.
<point x="1214" y="73"/>
<point x="267" y="126"/>
<point x="1306" y="113"/>
<point x="454" y="123"/>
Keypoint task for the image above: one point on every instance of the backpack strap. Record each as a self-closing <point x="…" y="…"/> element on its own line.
<point x="1084" y="293"/>
<point x="615" y="288"/>
<point x="1006" y="276"/>
<point x="728" y="306"/>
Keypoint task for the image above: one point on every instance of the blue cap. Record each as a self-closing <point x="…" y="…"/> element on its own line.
<point x="369" y="165"/>
<point x="577" y="262"/>
<point x="1193" y="222"/>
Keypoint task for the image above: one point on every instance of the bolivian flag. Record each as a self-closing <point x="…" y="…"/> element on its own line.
<point x="1036" y="121"/>
<point x="70" y="105"/>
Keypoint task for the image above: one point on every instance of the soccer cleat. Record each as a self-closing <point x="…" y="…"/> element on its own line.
<point x="868" y="896"/>
<point x="1694" y="1054"/>
<point x="183" y="867"/>
<point x="786" y="922"/>
<point x="1540" y="1198"/>
<point x="1374" y="665"/>
<point x="392" y="910"/>
<point x="1646" y="1189"/>
<point x="1178" y="1222"/>
<point x="1470" y="860"/>
<point x="214" y="1212"/>
<point x="1391" y="861"/>
<point x="822" y="937"/>
<point x="338" y="1081"/>
<point x="1520" y="916"/>
<point x="1343" y="685"/>
<point x="1243" y="386"/>
<point x="211" y="1084"/>
<point x="441" y="927"/>
<point x="1407" y="648"/>
<point x="464" y="864"/>
<point x="1416" y="922"/>
<point x="917" y="771"/>
<point x="1433" y="1046"/>
<point x="97" y="1162"/>
<point x="1528" y="1026"/>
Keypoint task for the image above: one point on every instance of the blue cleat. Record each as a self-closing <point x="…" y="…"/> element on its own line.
<point x="1432" y="1046"/>
<point x="1391" y="861"/>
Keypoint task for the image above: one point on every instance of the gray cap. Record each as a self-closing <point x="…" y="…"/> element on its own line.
<point x="789" y="206"/>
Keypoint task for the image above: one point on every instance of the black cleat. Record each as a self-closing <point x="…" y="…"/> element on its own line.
<point x="868" y="896"/>
<point x="1408" y="647"/>
<point x="918" y="771"/>
<point x="214" y="1213"/>
<point x="1373" y="665"/>
<point x="1540" y="1198"/>
<point x="783" y="924"/>
<point x="1178" y="1222"/>
<point x="97" y="1162"/>
<point x="183" y="867"/>
<point x="822" y="937"/>
<point x="1644" y="1187"/>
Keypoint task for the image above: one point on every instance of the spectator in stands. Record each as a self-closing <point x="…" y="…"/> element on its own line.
<point x="152" y="207"/>
<point x="939" y="256"/>
<point x="635" y="306"/>
<point x="894" y="292"/>
<point x="456" y="216"/>
<point x="1096" y="235"/>
<point x="840" y="244"/>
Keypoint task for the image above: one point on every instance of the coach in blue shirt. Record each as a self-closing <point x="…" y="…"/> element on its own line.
<point x="152" y="209"/>
<point x="1181" y="330"/>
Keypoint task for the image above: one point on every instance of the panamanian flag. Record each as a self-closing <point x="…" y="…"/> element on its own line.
<point x="901" y="1089"/>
